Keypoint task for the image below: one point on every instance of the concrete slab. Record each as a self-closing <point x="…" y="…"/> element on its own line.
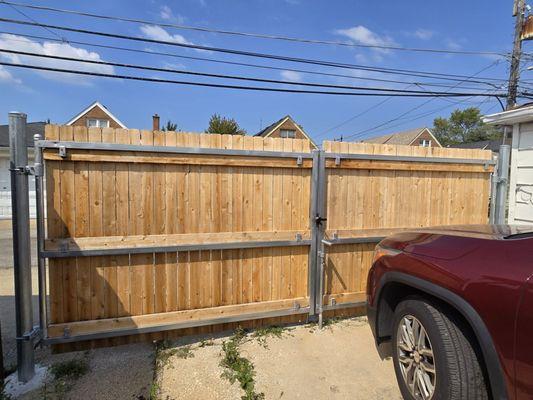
<point x="337" y="362"/>
<point x="15" y="389"/>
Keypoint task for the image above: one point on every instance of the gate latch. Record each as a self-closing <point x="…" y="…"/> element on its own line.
<point x="319" y="220"/>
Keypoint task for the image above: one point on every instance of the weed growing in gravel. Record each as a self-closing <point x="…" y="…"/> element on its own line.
<point x="64" y="375"/>
<point x="238" y="368"/>
<point x="262" y="334"/>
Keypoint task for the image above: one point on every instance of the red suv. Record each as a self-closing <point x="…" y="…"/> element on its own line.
<point x="456" y="305"/>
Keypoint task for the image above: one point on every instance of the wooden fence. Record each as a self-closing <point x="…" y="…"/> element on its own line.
<point x="373" y="198"/>
<point x="219" y="237"/>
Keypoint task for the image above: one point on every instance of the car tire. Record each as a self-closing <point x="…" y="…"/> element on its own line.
<point x="434" y="354"/>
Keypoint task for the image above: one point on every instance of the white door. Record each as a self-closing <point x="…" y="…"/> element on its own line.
<point x="521" y="181"/>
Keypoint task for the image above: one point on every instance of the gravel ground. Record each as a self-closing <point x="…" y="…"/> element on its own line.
<point x="197" y="376"/>
<point x="337" y="362"/>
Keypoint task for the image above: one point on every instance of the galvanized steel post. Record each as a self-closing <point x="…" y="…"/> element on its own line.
<point x="313" y="224"/>
<point x="502" y="183"/>
<point x="21" y="245"/>
<point x="39" y="199"/>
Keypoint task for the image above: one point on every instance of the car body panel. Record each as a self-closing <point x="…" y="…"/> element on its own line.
<point x="477" y="264"/>
<point x="524" y="344"/>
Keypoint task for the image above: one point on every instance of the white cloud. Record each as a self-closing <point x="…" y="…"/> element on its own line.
<point x="14" y="42"/>
<point x="453" y="45"/>
<point x="166" y="13"/>
<point x="362" y="35"/>
<point x="424" y="34"/>
<point x="158" y="33"/>
<point x="291" y="76"/>
<point x="6" y="77"/>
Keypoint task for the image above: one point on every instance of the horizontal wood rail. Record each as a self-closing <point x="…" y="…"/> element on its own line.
<point x="110" y="327"/>
<point x="176" y="159"/>
<point x="173" y="242"/>
<point x="343" y="298"/>
<point x="398" y="165"/>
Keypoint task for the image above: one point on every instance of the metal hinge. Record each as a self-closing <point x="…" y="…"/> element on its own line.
<point x="34" y="335"/>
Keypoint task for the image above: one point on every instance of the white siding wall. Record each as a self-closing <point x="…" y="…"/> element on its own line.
<point x="521" y="182"/>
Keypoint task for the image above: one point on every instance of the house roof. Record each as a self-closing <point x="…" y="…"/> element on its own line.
<point x="32" y="128"/>
<point x="493" y="145"/>
<point x="102" y="107"/>
<point x="272" y="127"/>
<point x="401" y="138"/>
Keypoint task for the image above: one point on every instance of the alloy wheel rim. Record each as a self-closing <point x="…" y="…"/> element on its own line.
<point x="415" y="358"/>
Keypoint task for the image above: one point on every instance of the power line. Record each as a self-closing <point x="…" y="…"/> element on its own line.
<point x="358" y="134"/>
<point x="255" y="88"/>
<point x="12" y="5"/>
<point x="394" y="71"/>
<point x="367" y="110"/>
<point x="254" y="35"/>
<point x="267" y="67"/>
<point x="185" y="72"/>
<point x="427" y="113"/>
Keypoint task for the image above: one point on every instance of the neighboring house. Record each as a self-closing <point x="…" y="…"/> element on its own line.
<point x="286" y="127"/>
<point x="32" y="128"/>
<point x="414" y="137"/>
<point x="493" y="145"/>
<point x="96" y="115"/>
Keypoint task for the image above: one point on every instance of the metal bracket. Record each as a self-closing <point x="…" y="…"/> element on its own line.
<point x="299" y="160"/>
<point x="298" y="237"/>
<point x="332" y="302"/>
<point x="66" y="332"/>
<point x="296" y="305"/>
<point x="25" y="170"/>
<point x="62" y="151"/>
<point x="34" y="335"/>
<point x="335" y="236"/>
<point x="337" y="160"/>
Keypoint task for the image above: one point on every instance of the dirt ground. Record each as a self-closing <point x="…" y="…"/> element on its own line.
<point x="337" y="362"/>
<point x="304" y="362"/>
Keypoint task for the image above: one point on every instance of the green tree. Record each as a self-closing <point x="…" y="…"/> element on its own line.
<point x="170" y="126"/>
<point x="463" y="126"/>
<point x="224" y="126"/>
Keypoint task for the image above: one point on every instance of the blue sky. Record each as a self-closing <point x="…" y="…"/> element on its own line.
<point x="452" y="24"/>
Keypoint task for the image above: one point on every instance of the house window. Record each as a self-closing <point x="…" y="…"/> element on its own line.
<point x="97" y="123"/>
<point x="287" y="133"/>
<point x="425" y="143"/>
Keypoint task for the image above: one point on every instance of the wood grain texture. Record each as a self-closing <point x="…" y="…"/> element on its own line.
<point x="103" y="199"/>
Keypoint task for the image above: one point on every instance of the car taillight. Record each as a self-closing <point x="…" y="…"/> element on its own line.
<point x="380" y="252"/>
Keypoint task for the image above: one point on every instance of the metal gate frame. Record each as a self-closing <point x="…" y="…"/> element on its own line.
<point x="30" y="336"/>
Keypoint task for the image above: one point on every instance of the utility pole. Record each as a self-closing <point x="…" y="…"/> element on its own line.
<point x="519" y="11"/>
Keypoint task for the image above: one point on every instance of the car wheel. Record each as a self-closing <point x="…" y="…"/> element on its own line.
<point x="433" y="356"/>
